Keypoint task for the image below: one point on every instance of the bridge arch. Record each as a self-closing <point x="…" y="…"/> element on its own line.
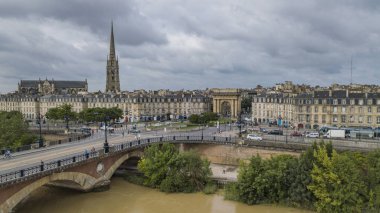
<point x="83" y="181"/>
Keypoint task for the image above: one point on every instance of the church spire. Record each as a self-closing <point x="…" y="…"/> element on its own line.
<point x="112" y="43"/>
<point x="112" y="82"/>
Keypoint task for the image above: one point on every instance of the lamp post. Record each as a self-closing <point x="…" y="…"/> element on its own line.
<point x="240" y="124"/>
<point x="106" y="145"/>
<point x="40" y="141"/>
<point x="67" y="122"/>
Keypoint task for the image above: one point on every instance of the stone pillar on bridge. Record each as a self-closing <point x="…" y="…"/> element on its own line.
<point x="181" y="147"/>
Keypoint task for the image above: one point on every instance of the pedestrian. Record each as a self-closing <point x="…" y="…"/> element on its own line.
<point x="123" y="134"/>
<point x="86" y="154"/>
<point x="42" y="166"/>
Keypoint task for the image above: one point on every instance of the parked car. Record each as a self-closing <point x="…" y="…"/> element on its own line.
<point x="275" y="132"/>
<point x="254" y="137"/>
<point x="296" y="134"/>
<point x="312" y="135"/>
<point x="263" y="130"/>
<point x="134" y="131"/>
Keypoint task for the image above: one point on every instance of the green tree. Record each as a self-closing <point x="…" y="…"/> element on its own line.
<point x="246" y="103"/>
<point x="187" y="173"/>
<point x="99" y="114"/>
<point x="14" y="130"/>
<point x="62" y="112"/>
<point x="299" y="194"/>
<point x="155" y="163"/>
<point x="336" y="183"/>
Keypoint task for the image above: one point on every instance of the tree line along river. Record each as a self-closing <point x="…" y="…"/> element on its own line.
<point x="126" y="197"/>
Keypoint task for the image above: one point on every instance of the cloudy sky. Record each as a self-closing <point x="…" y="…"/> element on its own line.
<point x="177" y="44"/>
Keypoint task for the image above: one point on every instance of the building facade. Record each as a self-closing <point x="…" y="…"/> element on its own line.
<point x="340" y="108"/>
<point x="135" y="106"/>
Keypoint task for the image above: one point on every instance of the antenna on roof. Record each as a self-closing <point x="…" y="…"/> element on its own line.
<point x="351" y="70"/>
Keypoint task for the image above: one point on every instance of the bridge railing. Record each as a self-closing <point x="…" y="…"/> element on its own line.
<point x="68" y="161"/>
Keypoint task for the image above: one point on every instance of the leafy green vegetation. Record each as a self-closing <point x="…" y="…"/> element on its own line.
<point x="61" y="113"/>
<point x="320" y="179"/>
<point x="169" y="170"/>
<point x="203" y="118"/>
<point x="14" y="131"/>
<point x="99" y="114"/>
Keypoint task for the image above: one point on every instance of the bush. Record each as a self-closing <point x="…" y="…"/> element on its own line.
<point x="134" y="178"/>
<point x="210" y="188"/>
<point x="231" y="192"/>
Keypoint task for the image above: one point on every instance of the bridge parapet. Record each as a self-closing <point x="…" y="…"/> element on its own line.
<point x="60" y="165"/>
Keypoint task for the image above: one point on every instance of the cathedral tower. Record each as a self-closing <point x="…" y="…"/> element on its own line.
<point x="113" y="82"/>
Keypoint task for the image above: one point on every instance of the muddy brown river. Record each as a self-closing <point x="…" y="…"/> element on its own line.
<point x="125" y="197"/>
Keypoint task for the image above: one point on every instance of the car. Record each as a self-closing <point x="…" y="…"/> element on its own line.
<point x="296" y="134"/>
<point x="312" y="135"/>
<point x="85" y="129"/>
<point x="109" y="128"/>
<point x="134" y="131"/>
<point x="254" y="137"/>
<point x="275" y="132"/>
<point x="263" y="130"/>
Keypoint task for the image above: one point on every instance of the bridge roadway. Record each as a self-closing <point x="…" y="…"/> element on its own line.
<point x="34" y="157"/>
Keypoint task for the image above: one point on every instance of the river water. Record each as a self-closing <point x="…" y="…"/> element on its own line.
<point x="125" y="197"/>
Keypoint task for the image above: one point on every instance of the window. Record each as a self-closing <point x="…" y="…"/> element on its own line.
<point x="378" y="109"/>
<point x="360" y="101"/>
<point x="344" y="102"/>
<point x="335" y="101"/>
<point x="369" y="119"/>
<point x="335" y="118"/>
<point x="369" y="109"/>
<point x="360" y="119"/>
<point x="335" y="109"/>
<point x="352" y="110"/>
<point x="316" y="109"/>
<point x="360" y="110"/>
<point x="324" y="109"/>
<point x="352" y="101"/>
<point x="378" y="120"/>
<point x="343" y="109"/>
<point x="316" y="118"/>
<point x="343" y="119"/>
<point x="369" y="102"/>
<point x="324" y="119"/>
<point x="352" y="119"/>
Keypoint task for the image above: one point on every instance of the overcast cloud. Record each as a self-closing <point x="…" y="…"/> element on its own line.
<point x="195" y="44"/>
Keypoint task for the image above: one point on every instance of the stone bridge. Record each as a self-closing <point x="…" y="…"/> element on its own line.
<point x="93" y="171"/>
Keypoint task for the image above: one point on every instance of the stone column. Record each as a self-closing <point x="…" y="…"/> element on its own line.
<point x="232" y="108"/>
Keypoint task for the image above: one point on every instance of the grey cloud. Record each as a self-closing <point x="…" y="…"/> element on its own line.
<point x="191" y="44"/>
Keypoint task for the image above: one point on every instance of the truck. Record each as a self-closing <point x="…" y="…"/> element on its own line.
<point x="335" y="133"/>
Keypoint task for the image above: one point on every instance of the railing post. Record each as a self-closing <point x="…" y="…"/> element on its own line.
<point x="42" y="167"/>
<point x="173" y="138"/>
<point x="21" y="173"/>
<point x="74" y="159"/>
<point x="122" y="146"/>
<point x="59" y="163"/>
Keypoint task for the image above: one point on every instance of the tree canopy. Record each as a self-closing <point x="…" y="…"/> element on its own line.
<point x="99" y="114"/>
<point x="62" y="112"/>
<point x="203" y="118"/>
<point x="14" y="130"/>
<point x="171" y="171"/>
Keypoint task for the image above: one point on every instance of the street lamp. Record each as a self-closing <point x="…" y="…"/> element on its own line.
<point x="67" y="118"/>
<point x="240" y="124"/>
<point x="40" y="141"/>
<point x="106" y="145"/>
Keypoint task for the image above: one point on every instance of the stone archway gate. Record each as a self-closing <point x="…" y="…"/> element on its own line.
<point x="231" y="96"/>
<point x="84" y="171"/>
